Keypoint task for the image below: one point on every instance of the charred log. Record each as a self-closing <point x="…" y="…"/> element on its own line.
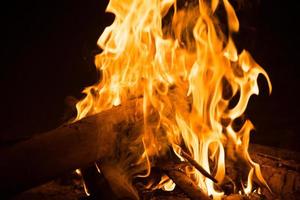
<point x="187" y="185"/>
<point x="78" y="145"/>
<point x="71" y="146"/>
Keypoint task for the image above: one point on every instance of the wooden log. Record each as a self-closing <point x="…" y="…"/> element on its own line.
<point x="70" y="146"/>
<point x="119" y="181"/>
<point x="49" y="155"/>
<point x="197" y="166"/>
<point x="95" y="184"/>
<point x="280" y="168"/>
<point x="187" y="185"/>
<point x="175" y="171"/>
<point x="254" y="149"/>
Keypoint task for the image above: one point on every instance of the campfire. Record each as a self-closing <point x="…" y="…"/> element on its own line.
<point x="167" y="117"/>
<point x="187" y="71"/>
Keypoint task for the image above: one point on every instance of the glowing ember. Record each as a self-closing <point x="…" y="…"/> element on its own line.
<point x="187" y="71"/>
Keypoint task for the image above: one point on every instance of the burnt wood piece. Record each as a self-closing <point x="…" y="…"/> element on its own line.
<point x="187" y="185"/>
<point x="197" y="166"/>
<point x="66" y="148"/>
<point x="42" y="158"/>
<point x="118" y="180"/>
<point x="95" y="185"/>
<point x="280" y="168"/>
<point x="175" y="171"/>
<point x="273" y="165"/>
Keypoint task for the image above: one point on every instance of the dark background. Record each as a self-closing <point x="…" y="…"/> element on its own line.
<point x="48" y="49"/>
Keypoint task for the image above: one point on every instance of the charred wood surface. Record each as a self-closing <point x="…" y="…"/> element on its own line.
<point x="78" y="145"/>
<point x="289" y="190"/>
<point x="71" y="146"/>
<point x="187" y="185"/>
<point x="280" y="168"/>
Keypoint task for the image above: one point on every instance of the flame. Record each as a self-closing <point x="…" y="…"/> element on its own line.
<point x="187" y="70"/>
<point x="169" y="185"/>
<point x="248" y="189"/>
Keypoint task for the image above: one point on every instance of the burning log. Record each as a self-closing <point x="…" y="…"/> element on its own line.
<point x="118" y="180"/>
<point x="95" y="184"/>
<point x="280" y="168"/>
<point x="187" y="185"/>
<point x="175" y="171"/>
<point x="80" y="144"/>
<point x="197" y="166"/>
<point x="70" y="146"/>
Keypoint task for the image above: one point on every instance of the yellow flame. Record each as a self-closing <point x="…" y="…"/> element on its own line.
<point x="187" y="71"/>
<point x="248" y="189"/>
<point x="169" y="185"/>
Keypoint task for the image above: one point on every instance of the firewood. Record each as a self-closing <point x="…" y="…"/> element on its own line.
<point x="187" y="185"/>
<point x="280" y="169"/>
<point x="197" y="166"/>
<point x="70" y="146"/>
<point x="95" y="184"/>
<point x="77" y="145"/>
<point x="175" y="171"/>
<point x="119" y="181"/>
<point x="92" y="179"/>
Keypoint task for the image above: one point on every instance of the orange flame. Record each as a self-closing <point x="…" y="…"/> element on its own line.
<point x="188" y="71"/>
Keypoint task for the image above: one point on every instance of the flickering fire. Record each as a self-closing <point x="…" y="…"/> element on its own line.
<point x="187" y="70"/>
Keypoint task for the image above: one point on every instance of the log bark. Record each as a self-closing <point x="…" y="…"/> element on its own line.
<point x="95" y="184"/>
<point x="197" y="166"/>
<point x="187" y="185"/>
<point x="280" y="168"/>
<point x="71" y="146"/>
